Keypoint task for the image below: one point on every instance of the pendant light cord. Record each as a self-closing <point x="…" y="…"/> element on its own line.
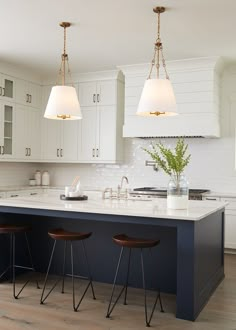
<point x="158" y="52"/>
<point x="64" y="62"/>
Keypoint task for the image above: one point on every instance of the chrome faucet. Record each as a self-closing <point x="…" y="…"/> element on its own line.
<point x="120" y="187"/>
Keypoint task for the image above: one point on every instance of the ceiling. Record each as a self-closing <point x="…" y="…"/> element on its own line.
<point x="107" y="33"/>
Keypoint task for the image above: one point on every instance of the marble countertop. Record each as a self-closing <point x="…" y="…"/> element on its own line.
<point x="95" y="204"/>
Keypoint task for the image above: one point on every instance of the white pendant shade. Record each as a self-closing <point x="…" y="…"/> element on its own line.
<point x="63" y="104"/>
<point x="157" y="99"/>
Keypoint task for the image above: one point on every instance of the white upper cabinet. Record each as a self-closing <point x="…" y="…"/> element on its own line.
<point x="7" y="88"/>
<point x="59" y="138"/>
<point x="27" y="133"/>
<point x="28" y="93"/>
<point x="7" y="128"/>
<point x="97" y="93"/>
<point x="100" y="139"/>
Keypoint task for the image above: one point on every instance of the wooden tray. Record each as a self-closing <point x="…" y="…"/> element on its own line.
<point x="78" y="198"/>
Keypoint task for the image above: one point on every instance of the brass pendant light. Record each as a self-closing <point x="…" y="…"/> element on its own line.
<point x="157" y="98"/>
<point x="63" y="102"/>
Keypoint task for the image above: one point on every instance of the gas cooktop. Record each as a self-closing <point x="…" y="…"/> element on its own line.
<point x="162" y="192"/>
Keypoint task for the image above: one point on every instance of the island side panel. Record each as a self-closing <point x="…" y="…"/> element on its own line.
<point x="185" y="270"/>
<point x="209" y="258"/>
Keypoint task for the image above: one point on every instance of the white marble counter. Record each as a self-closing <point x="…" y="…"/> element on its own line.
<point x="95" y="204"/>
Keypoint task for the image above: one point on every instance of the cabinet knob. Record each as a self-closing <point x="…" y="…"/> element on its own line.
<point x="98" y="98"/>
<point x="93" y="153"/>
<point x="97" y="152"/>
<point x="58" y="153"/>
<point x="61" y="152"/>
<point x="94" y="98"/>
<point x="30" y="98"/>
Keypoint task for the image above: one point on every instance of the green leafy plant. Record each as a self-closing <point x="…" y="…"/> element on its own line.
<point x="171" y="162"/>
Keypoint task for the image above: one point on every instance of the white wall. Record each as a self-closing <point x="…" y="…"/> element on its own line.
<point x="212" y="162"/>
<point x="16" y="174"/>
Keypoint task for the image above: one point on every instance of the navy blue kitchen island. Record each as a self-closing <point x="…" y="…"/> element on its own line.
<point x="189" y="261"/>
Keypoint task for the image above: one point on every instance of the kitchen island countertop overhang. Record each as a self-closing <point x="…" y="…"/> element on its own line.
<point x="196" y="211"/>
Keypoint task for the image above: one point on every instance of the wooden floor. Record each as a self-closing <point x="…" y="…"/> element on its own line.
<point x="56" y="313"/>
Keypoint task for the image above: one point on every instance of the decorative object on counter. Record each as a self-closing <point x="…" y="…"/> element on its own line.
<point x="45" y="178"/>
<point x="38" y="178"/>
<point x="173" y="163"/>
<point x="73" y="190"/>
<point x="157" y="98"/>
<point x="76" y="198"/>
<point x="63" y="101"/>
<point x="32" y="182"/>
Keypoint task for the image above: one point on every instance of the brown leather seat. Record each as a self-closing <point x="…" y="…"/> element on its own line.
<point x="132" y="242"/>
<point x="11" y="229"/>
<point x="61" y="234"/>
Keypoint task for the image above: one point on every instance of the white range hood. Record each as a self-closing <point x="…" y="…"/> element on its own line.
<point x="196" y="86"/>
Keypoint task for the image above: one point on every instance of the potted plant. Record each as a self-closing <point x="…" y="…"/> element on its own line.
<point x="173" y="162"/>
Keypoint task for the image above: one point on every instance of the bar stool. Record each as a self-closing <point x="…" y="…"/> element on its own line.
<point x="60" y="234"/>
<point x="12" y="230"/>
<point x="132" y="243"/>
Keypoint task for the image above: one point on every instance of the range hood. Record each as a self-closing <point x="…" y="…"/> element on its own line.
<point x="196" y="85"/>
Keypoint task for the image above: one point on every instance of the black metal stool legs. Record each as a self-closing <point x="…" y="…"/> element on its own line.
<point x="72" y="275"/>
<point x="12" y="266"/>
<point x="63" y="269"/>
<point x="112" y="306"/>
<point x="148" y="320"/>
<point x="90" y="283"/>
<point x="42" y="299"/>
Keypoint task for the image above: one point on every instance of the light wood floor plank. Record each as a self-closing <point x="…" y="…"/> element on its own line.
<point x="57" y="313"/>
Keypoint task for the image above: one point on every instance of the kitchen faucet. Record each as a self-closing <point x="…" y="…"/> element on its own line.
<point x="120" y="187"/>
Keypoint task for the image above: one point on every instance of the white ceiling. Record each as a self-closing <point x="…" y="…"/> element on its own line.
<point x="106" y="33"/>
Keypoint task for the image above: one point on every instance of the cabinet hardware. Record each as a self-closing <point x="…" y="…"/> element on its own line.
<point x="30" y="98"/>
<point x="0" y="91"/>
<point x="58" y="153"/>
<point x="93" y="152"/>
<point x="27" y="98"/>
<point x="94" y="98"/>
<point x="210" y="199"/>
<point x="3" y="91"/>
<point x="61" y="152"/>
<point x="29" y="152"/>
<point x="33" y="194"/>
<point x="97" y="152"/>
<point x="26" y="151"/>
<point x="98" y="98"/>
<point x="2" y="150"/>
<point x="14" y="195"/>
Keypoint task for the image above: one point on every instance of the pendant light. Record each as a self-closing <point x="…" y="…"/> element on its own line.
<point x="63" y="102"/>
<point x="157" y="98"/>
